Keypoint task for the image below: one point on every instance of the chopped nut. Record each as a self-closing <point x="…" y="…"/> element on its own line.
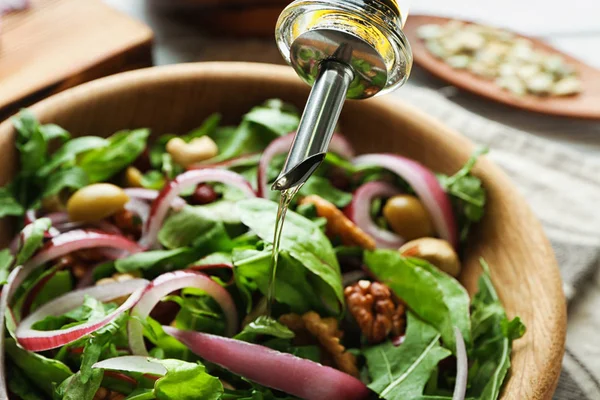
<point x="126" y="221"/>
<point x="436" y="251"/>
<point x="493" y="53"/>
<point x="373" y="307"/>
<point x="327" y="334"/>
<point x="338" y="224"/>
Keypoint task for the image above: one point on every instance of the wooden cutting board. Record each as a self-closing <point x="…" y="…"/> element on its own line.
<point x="57" y="44"/>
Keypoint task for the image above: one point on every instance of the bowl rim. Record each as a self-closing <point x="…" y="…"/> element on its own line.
<point x="541" y="384"/>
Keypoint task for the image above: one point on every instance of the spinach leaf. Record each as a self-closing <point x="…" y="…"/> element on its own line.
<point x="34" y="233"/>
<point x="176" y="258"/>
<point x="69" y="151"/>
<point x="154" y="180"/>
<point x="466" y="193"/>
<point x="253" y="271"/>
<point x="19" y="384"/>
<point x="493" y="334"/>
<point x="6" y="261"/>
<point x="72" y="178"/>
<point x="258" y="128"/>
<point x="208" y="127"/>
<point x="195" y="227"/>
<point x="322" y="187"/>
<point x="264" y="326"/>
<point x="122" y="149"/>
<point x="304" y="241"/>
<point x="187" y="381"/>
<point x="44" y="372"/>
<point x="73" y="388"/>
<point x="435" y="297"/>
<point x="402" y="372"/>
<point x="31" y="143"/>
<point x="9" y="205"/>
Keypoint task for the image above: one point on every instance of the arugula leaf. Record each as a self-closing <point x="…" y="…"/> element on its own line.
<point x="34" y="233"/>
<point x="69" y="151"/>
<point x="493" y="334"/>
<point x="435" y="297"/>
<point x="304" y="241"/>
<point x="187" y="381"/>
<point x="73" y="178"/>
<point x="195" y="227"/>
<point x="9" y="206"/>
<point x="322" y="187"/>
<point x="402" y="372"/>
<point x="44" y="372"/>
<point x="177" y="258"/>
<point x="198" y="312"/>
<point x="20" y="385"/>
<point x="73" y="388"/>
<point x="466" y="193"/>
<point x="6" y="260"/>
<point x="153" y="180"/>
<point x="90" y="310"/>
<point x="264" y="326"/>
<point x="122" y="149"/>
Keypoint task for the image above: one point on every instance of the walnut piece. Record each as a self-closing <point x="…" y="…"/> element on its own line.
<point x="340" y="225"/>
<point x="374" y="309"/>
<point x="325" y="331"/>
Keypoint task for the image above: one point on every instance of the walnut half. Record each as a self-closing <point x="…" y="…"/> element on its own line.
<point x="374" y="309"/>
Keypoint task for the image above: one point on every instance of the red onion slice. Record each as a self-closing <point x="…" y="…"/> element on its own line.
<point x="7" y="6"/>
<point x="359" y="211"/>
<point x="462" y="367"/>
<point x="425" y="185"/>
<point x="282" y="371"/>
<point x="168" y="283"/>
<point x="140" y="364"/>
<point x="34" y="340"/>
<point x="160" y="206"/>
<point x="338" y="145"/>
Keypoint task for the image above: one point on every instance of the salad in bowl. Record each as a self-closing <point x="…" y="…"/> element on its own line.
<point x="141" y="268"/>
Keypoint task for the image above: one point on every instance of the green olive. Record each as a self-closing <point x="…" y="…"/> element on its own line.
<point x="407" y="216"/>
<point x="95" y="202"/>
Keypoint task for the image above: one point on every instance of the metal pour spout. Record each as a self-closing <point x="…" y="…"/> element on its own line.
<point x="316" y="125"/>
<point x="351" y="49"/>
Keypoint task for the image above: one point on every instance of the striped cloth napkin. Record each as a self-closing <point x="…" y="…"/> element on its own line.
<point x="563" y="189"/>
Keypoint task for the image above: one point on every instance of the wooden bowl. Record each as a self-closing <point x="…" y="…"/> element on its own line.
<point x="178" y="98"/>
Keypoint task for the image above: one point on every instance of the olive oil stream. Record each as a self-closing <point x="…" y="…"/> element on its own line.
<point x="284" y="203"/>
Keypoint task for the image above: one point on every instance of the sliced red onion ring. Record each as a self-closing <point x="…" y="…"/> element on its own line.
<point x="462" y="367"/>
<point x="140" y="364"/>
<point x="18" y="241"/>
<point x="139" y="208"/>
<point x="150" y="195"/>
<point x="338" y="145"/>
<point x="425" y="185"/>
<point x="232" y="162"/>
<point x="34" y="340"/>
<point x="359" y="211"/>
<point x="168" y="283"/>
<point x="282" y="371"/>
<point x="7" y="6"/>
<point x="160" y="206"/>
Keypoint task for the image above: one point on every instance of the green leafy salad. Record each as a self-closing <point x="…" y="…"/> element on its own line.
<point x="140" y="267"/>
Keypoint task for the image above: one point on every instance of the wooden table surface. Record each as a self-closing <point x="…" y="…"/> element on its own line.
<point x="575" y="31"/>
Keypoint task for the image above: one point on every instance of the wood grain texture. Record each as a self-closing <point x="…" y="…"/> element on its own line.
<point x="585" y="105"/>
<point x="178" y="98"/>
<point x="61" y="43"/>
